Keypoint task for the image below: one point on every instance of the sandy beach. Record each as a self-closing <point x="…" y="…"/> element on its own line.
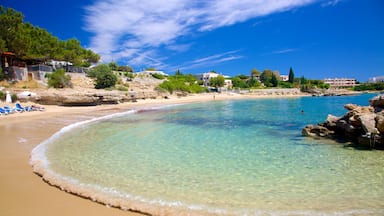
<point x="25" y="193"/>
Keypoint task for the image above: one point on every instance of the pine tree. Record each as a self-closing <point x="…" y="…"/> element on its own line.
<point x="291" y="76"/>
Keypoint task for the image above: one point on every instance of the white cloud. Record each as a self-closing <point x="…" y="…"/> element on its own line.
<point x="211" y="60"/>
<point x="122" y="26"/>
<point x="331" y="3"/>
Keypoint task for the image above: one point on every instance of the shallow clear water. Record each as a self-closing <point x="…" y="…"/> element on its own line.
<point x="233" y="157"/>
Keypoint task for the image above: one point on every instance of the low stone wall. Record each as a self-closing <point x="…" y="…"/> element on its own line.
<point x="291" y="91"/>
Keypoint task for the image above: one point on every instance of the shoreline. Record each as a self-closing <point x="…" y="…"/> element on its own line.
<point x="24" y="192"/>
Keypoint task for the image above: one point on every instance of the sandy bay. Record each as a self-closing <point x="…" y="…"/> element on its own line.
<point x="25" y="193"/>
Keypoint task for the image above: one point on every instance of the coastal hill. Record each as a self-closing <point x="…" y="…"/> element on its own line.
<point x="83" y="92"/>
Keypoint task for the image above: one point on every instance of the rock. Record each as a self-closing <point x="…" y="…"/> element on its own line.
<point x="380" y="122"/>
<point x="377" y="101"/>
<point x="331" y="120"/>
<point x="316" y="131"/>
<point x="363" y="125"/>
<point x="350" y="106"/>
<point x="368" y="122"/>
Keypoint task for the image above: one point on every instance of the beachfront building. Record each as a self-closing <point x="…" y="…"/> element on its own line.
<point x="206" y="77"/>
<point x="16" y="69"/>
<point x="284" y="78"/>
<point x="340" y="82"/>
<point x="378" y="79"/>
<point x="13" y="68"/>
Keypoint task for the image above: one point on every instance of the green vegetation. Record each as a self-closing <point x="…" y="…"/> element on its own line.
<point x="2" y="75"/>
<point x="59" y="79"/>
<point x="306" y="85"/>
<point x="3" y="95"/>
<point x="269" y="78"/>
<point x="369" y="87"/>
<point x="183" y="83"/>
<point x="105" y="78"/>
<point x="218" y="81"/>
<point x="158" y="76"/>
<point x="29" y="42"/>
<point x="291" y="76"/>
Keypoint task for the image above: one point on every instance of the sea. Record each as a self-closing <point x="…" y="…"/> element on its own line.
<point x="231" y="157"/>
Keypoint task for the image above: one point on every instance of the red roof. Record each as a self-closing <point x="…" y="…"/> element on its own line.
<point x="8" y="53"/>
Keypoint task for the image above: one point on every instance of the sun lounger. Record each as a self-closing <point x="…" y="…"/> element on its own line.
<point x="3" y="111"/>
<point x="19" y="108"/>
<point x="9" y="109"/>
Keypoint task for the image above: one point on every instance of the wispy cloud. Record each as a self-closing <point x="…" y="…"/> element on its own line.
<point x="136" y="30"/>
<point x="281" y="51"/>
<point x="211" y="60"/>
<point x="331" y="3"/>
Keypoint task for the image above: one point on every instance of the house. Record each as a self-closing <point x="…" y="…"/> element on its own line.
<point x="284" y="78"/>
<point x="206" y="77"/>
<point x="340" y="82"/>
<point x="16" y="69"/>
<point x="378" y="79"/>
<point x="13" y="68"/>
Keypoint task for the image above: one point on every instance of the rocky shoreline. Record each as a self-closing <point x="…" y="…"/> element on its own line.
<point x="362" y="125"/>
<point x="92" y="97"/>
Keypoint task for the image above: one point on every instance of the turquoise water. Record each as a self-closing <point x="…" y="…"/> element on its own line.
<point x="235" y="157"/>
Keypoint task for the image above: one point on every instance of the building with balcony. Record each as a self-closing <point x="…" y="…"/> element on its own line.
<point x="340" y="82"/>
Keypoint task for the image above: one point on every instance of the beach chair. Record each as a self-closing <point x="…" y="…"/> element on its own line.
<point x="9" y="109"/>
<point x="3" y="111"/>
<point x="19" y="108"/>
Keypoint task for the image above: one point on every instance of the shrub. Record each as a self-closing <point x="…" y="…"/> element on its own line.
<point x="2" y="95"/>
<point x="59" y="79"/>
<point x="158" y="76"/>
<point x="105" y="80"/>
<point x="122" y="88"/>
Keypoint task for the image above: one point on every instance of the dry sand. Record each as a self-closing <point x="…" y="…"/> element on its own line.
<point x="25" y="193"/>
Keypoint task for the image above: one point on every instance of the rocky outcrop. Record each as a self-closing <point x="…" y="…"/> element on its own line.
<point x="363" y="125"/>
<point x="92" y="98"/>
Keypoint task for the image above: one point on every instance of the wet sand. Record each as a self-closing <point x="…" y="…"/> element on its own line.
<point x="25" y="193"/>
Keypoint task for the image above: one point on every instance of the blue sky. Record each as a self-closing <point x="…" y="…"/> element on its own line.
<point x="317" y="38"/>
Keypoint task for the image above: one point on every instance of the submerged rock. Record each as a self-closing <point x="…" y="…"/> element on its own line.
<point x="363" y="125"/>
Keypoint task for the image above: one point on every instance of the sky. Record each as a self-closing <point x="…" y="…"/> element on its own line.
<point x="317" y="38"/>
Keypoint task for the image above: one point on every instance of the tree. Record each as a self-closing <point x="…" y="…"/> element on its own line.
<point x="274" y="80"/>
<point x="30" y="42"/>
<point x="266" y="77"/>
<point x="125" y="69"/>
<point x="178" y="73"/>
<point x="291" y="76"/>
<point x="255" y="73"/>
<point x="101" y="68"/>
<point x="218" y="81"/>
<point x="113" y="65"/>
<point x="59" y="79"/>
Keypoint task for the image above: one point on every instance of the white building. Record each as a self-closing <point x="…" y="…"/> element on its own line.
<point x="205" y="77"/>
<point x="340" y="82"/>
<point x="378" y="79"/>
<point x="284" y="78"/>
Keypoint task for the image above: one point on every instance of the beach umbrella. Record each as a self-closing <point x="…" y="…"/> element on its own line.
<point x="8" y="98"/>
